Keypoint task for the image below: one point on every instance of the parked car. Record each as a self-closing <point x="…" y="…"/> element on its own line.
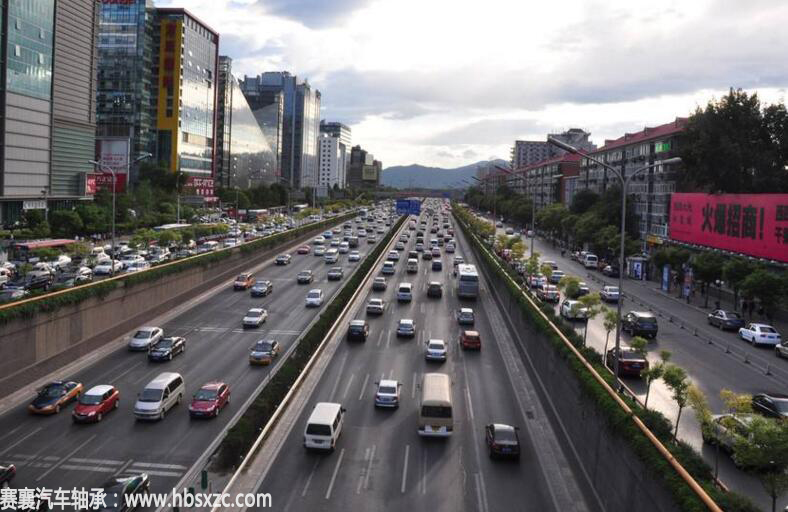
<point x="640" y="323"/>
<point x="725" y="319"/>
<point x="630" y="362"/>
<point x="502" y="440"/>
<point x="264" y="351"/>
<point x="610" y="270"/>
<point x="548" y="293"/>
<point x="726" y="430"/>
<point x="760" y="334"/>
<point x="255" y="317"/>
<point x="167" y="348"/>
<point x="358" y="330"/>
<point x="609" y="294"/>
<point x="387" y="393"/>
<point x="55" y="395"/>
<point x="262" y="288"/>
<point x="209" y="400"/>
<point x="556" y="276"/>
<point x="582" y="289"/>
<point x="95" y="403"/>
<point x="772" y="405"/>
<point x="573" y="310"/>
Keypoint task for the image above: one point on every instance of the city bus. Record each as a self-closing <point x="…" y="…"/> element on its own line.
<point x="435" y="406"/>
<point x="23" y="251"/>
<point x="467" y="282"/>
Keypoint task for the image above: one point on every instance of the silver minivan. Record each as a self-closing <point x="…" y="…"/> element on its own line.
<point x="160" y="395"/>
<point x="324" y="426"/>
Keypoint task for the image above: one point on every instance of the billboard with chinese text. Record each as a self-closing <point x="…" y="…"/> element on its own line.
<point x="198" y="186"/>
<point x="752" y="224"/>
<point x="103" y="181"/>
<point x="113" y="153"/>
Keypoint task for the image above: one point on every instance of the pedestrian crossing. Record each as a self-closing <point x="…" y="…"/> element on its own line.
<point x="106" y="466"/>
<point x="239" y="330"/>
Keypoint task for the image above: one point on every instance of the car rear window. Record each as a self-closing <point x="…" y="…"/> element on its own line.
<point x="769" y="330"/>
<point x="435" y="411"/>
<point x="647" y="320"/>
<point x="505" y="435"/>
<point x="314" y="429"/>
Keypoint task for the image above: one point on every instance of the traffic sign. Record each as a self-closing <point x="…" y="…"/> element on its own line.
<point x="415" y="207"/>
<point x="403" y="206"/>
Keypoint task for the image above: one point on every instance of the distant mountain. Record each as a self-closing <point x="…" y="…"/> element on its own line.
<point x="420" y="176"/>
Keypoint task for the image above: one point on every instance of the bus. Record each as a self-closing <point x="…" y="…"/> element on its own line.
<point x="435" y="406"/>
<point x="171" y="227"/>
<point x="23" y="251"/>
<point x="467" y="282"/>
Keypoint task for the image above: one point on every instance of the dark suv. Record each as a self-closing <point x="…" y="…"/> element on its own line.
<point x="358" y="330"/>
<point x="640" y="323"/>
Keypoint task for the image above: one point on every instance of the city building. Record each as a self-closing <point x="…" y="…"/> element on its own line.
<point x="265" y="95"/>
<point x="300" y="121"/>
<point x="224" y="115"/>
<point x="549" y="181"/>
<point x="186" y="78"/>
<point x="331" y="153"/>
<point x="528" y="152"/>
<point x="342" y="133"/>
<point x="125" y="101"/>
<point x="364" y="170"/>
<point x="651" y="189"/>
<point x="47" y="104"/>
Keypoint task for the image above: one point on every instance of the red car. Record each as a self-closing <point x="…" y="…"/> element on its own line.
<point x="630" y="364"/>
<point x="243" y="281"/>
<point x="304" y="249"/>
<point x="470" y="339"/>
<point x="95" y="403"/>
<point x="210" y="400"/>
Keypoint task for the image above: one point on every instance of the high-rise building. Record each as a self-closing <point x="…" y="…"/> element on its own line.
<point x="364" y="170"/>
<point x="331" y="161"/>
<point x="265" y="94"/>
<point x="300" y="121"/>
<point x="224" y="115"/>
<point x="186" y="78"/>
<point x="529" y="152"/>
<point x="46" y="103"/>
<point x="125" y="104"/>
<point x="343" y="135"/>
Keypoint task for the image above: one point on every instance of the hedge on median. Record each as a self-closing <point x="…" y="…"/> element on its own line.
<point x="618" y="420"/>
<point x="49" y="302"/>
<point x="241" y="436"/>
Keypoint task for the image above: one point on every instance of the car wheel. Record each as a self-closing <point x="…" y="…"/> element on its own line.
<point x="216" y="414"/>
<point x="117" y="404"/>
<point x="170" y="358"/>
<point x="57" y="409"/>
<point x="161" y="416"/>
<point x="99" y="417"/>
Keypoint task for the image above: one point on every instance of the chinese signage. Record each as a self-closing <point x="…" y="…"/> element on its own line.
<point x="113" y="153"/>
<point x="752" y="224"/>
<point x="90" y="184"/>
<point x="403" y="206"/>
<point x="198" y="186"/>
<point x="661" y="147"/>
<point x="103" y="180"/>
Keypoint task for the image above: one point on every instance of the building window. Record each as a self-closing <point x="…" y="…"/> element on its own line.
<point x="17" y="50"/>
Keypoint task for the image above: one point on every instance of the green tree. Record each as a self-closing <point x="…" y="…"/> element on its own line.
<point x="676" y="379"/>
<point x="546" y="270"/>
<point x="583" y="201"/>
<point x="609" y="322"/>
<point x="593" y="304"/>
<point x="732" y="147"/>
<point x="66" y="223"/>
<point x="736" y="403"/>
<point x="168" y="237"/>
<point x="707" y="267"/>
<point x="769" y="288"/>
<point x="142" y="238"/>
<point x="532" y="264"/>
<point x="764" y="452"/>
<point x="570" y="285"/>
<point x="518" y="250"/>
<point x="80" y="252"/>
<point x="655" y="371"/>
<point x="735" y="271"/>
<point x="37" y="223"/>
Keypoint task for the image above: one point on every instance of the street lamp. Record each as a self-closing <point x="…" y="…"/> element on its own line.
<point x="106" y="168"/>
<point x="624" y="180"/>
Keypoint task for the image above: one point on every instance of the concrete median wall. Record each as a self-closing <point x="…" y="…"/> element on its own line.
<point x="31" y="348"/>
<point x="616" y="475"/>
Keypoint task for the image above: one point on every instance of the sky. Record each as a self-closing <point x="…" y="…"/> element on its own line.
<point x="451" y="82"/>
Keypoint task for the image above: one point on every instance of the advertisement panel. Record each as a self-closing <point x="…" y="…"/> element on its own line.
<point x="198" y="186"/>
<point x="113" y="153"/>
<point x="104" y="181"/>
<point x="403" y="206"/>
<point x="90" y="184"/>
<point x="751" y="224"/>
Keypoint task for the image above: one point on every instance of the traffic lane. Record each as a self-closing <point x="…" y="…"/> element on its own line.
<point x="222" y="345"/>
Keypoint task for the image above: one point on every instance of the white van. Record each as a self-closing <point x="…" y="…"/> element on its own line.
<point x="405" y="292"/>
<point x="331" y="256"/>
<point x="413" y="265"/>
<point x="159" y="396"/>
<point x="590" y="261"/>
<point x="324" y="426"/>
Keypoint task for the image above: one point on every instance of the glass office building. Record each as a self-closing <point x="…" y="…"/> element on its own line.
<point x="252" y="157"/>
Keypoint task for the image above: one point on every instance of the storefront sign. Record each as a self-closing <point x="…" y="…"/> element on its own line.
<point x="104" y="182"/>
<point x="751" y="224"/>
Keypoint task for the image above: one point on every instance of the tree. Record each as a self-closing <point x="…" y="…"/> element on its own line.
<point x="736" y="403"/>
<point x="768" y="287"/>
<point x="735" y="271"/>
<point x="168" y="237"/>
<point x="609" y="321"/>
<point x="583" y="200"/>
<point x="66" y="223"/>
<point x="654" y="371"/>
<point x="80" y="251"/>
<point x="36" y="222"/>
<point x="142" y="238"/>
<point x="592" y="302"/>
<point x="764" y="452"/>
<point x="570" y="285"/>
<point x="532" y="264"/>
<point x="518" y="250"/>
<point x="546" y="270"/>
<point x="707" y="267"/>
<point x="676" y="379"/>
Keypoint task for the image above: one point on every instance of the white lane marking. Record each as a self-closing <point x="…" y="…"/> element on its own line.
<point x="380" y="337"/>
<point x="339" y="377"/>
<point x="405" y="469"/>
<point x="413" y="386"/>
<point x="361" y="476"/>
<point x="369" y="467"/>
<point x="470" y="404"/>
<point x="309" y="479"/>
<point x="363" y="387"/>
<point x="391" y="374"/>
<point x="10" y="432"/>
<point x="388" y="338"/>
<point x="116" y="378"/>
<point x="97" y="469"/>
<point x="423" y="482"/>
<point x="124" y="467"/>
<point x="50" y="458"/>
<point x="75" y="450"/>
<point x="349" y="383"/>
<point x="159" y="466"/>
<point x="173" y="474"/>
<point x="483" y="488"/>
<point x="19" y="441"/>
<point x="100" y="462"/>
<point x="334" y="476"/>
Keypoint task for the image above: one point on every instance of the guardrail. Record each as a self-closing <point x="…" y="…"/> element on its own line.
<point x="653" y="440"/>
<point x="307" y="368"/>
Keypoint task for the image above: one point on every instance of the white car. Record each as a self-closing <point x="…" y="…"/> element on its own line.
<point x="344" y="247"/>
<point x="106" y="269"/>
<point x="573" y="310"/>
<point x="781" y="350"/>
<point x="354" y="256"/>
<point x="319" y="240"/>
<point x="399" y="246"/>
<point x="450" y="248"/>
<point x="393" y="256"/>
<point x="435" y="350"/>
<point x="609" y="294"/>
<point x="387" y="394"/>
<point x="136" y="266"/>
<point x="254" y="317"/>
<point x="760" y="334"/>
<point x="320" y="251"/>
<point x="376" y="307"/>
<point x="314" y="298"/>
<point x="145" y="337"/>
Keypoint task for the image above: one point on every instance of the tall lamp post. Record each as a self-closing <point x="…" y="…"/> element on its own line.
<point x="106" y="168"/>
<point x="624" y="181"/>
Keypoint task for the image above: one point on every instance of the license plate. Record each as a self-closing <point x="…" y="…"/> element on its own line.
<point x="505" y="449"/>
<point x="435" y="428"/>
<point x="637" y="365"/>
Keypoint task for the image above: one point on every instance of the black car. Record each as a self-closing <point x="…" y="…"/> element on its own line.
<point x="435" y="289"/>
<point x="773" y="405"/>
<point x="640" y="323"/>
<point x="437" y="265"/>
<point x="305" y="277"/>
<point x="32" y="281"/>
<point x="283" y="259"/>
<point x="502" y="440"/>
<point x="426" y="255"/>
<point x="116" y="490"/>
<point x="262" y="288"/>
<point x="7" y="474"/>
<point x="335" y="274"/>
<point x="610" y="270"/>
<point x="725" y="319"/>
<point x="358" y="330"/>
<point x="166" y="348"/>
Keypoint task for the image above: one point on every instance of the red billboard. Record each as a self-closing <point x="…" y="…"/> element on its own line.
<point x="199" y="186"/>
<point x="752" y="224"/>
<point x="103" y="180"/>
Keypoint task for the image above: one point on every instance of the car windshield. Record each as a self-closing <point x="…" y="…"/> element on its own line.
<point x="505" y="435"/>
<point x="405" y="324"/>
<point x="630" y="354"/>
<point x="150" y="395"/>
<point x="90" y="399"/>
<point x="260" y="284"/>
<point x="52" y="391"/>
<point x="263" y="346"/>
<point x="732" y="315"/>
<point x="612" y="289"/>
<point x="314" y="429"/>
<point x="205" y="395"/>
<point x="165" y="343"/>
<point x="387" y="390"/>
<point x="357" y="328"/>
<point x="255" y="312"/>
<point x="436" y="411"/>
<point x="435" y="346"/>
<point x="143" y="335"/>
<point x="313" y="295"/>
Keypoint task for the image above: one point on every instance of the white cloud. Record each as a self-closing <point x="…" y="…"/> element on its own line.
<point x="432" y="81"/>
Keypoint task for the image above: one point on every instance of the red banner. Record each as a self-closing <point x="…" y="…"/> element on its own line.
<point x="90" y="184"/>
<point x="752" y="224"/>
<point x="104" y="181"/>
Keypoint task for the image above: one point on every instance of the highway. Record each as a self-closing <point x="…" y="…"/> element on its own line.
<point x="381" y="463"/>
<point x="708" y="366"/>
<point x="51" y="451"/>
